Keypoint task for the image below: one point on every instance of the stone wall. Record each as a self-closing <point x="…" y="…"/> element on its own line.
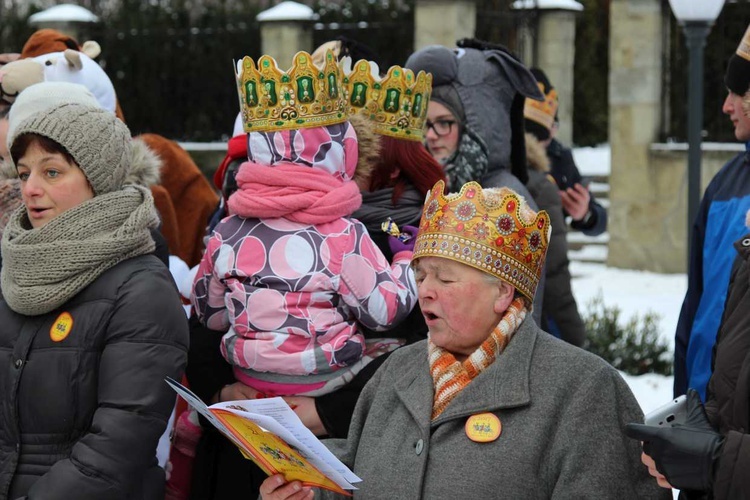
<point x="281" y="40"/>
<point x="650" y="227"/>
<point x="634" y="96"/>
<point x="442" y="22"/>
<point x="556" y="56"/>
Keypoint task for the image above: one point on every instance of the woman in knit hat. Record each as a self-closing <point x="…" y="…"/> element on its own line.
<point x="91" y="320"/>
<point x="488" y="406"/>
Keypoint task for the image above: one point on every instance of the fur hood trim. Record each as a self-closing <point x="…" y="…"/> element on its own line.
<point x="8" y="170"/>
<point x="368" y="149"/>
<point x="536" y="154"/>
<point x="145" y="165"/>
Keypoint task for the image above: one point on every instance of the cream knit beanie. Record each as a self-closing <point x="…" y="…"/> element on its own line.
<point x="97" y="140"/>
<point x="43" y="96"/>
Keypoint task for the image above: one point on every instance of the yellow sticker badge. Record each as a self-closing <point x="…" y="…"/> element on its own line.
<point x="61" y="327"/>
<point x="483" y="428"/>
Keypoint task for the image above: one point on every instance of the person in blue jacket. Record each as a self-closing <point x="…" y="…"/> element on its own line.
<point x="717" y="226"/>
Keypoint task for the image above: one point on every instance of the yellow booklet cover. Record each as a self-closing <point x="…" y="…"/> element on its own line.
<point x="268" y="432"/>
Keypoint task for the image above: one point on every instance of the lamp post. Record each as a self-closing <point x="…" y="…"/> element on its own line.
<point x="696" y="19"/>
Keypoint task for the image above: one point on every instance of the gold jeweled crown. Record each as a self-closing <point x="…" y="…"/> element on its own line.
<point x="302" y="97"/>
<point x="395" y="104"/>
<point x="542" y="112"/>
<point x="492" y="230"/>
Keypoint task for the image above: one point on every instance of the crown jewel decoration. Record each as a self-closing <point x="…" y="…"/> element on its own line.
<point x="395" y="104"/>
<point x="542" y="112"/>
<point x="302" y="97"/>
<point x="492" y="230"/>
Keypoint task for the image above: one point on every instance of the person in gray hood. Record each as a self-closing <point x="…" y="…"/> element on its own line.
<point x="484" y="87"/>
<point x="475" y="126"/>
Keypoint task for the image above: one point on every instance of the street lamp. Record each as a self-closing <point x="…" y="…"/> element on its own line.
<point x="696" y="18"/>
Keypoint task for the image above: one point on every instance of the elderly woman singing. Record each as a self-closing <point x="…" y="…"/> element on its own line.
<point x="489" y="406"/>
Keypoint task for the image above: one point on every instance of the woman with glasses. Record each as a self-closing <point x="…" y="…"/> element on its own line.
<point x="441" y="130"/>
<point x="474" y="124"/>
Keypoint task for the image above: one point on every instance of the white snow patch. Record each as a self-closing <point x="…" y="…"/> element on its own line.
<point x="548" y="4"/>
<point x="64" y="12"/>
<point x="287" y="11"/>
<point x="593" y="161"/>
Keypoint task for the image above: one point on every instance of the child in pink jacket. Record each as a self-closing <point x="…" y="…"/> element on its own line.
<point x="290" y="276"/>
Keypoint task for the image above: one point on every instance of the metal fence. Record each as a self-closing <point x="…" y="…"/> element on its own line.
<point x="506" y="26"/>
<point x="392" y="42"/>
<point x="178" y="82"/>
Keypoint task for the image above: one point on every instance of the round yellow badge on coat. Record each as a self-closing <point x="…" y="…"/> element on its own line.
<point x="61" y="327"/>
<point x="483" y="428"/>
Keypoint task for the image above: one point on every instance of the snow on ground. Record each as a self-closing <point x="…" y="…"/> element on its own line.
<point x="593" y="160"/>
<point x="634" y="292"/>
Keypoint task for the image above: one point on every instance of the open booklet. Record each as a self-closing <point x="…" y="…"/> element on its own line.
<point x="269" y="433"/>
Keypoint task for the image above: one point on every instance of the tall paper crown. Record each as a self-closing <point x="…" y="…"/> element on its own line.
<point x="492" y="230"/>
<point x="302" y="97"/>
<point x="542" y="112"/>
<point x="395" y="104"/>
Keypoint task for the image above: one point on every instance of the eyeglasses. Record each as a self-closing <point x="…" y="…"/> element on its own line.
<point x="440" y="127"/>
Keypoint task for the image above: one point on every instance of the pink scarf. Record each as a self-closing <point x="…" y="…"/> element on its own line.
<point x="294" y="192"/>
<point x="301" y="175"/>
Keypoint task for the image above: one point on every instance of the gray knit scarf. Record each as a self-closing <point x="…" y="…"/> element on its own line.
<point x="45" y="267"/>
<point x="469" y="162"/>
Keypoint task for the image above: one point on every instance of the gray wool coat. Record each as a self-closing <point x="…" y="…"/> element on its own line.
<point x="562" y="412"/>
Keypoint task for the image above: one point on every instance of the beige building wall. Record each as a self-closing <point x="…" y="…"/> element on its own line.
<point x="660" y="243"/>
<point x="281" y="40"/>
<point x="442" y="22"/>
<point x="556" y="44"/>
<point x="637" y="205"/>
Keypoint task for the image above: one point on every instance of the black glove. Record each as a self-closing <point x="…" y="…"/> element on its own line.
<point x="684" y="453"/>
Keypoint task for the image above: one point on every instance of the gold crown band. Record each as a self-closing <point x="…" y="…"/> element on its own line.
<point x="542" y="112"/>
<point x="395" y="104"/>
<point x="492" y="230"/>
<point x="302" y="97"/>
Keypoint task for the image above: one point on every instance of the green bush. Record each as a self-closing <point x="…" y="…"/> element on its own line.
<point x="634" y="348"/>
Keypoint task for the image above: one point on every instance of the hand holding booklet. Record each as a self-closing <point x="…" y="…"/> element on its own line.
<point x="269" y="433"/>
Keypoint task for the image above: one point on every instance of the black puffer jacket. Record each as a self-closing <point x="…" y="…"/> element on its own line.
<point x="566" y="175"/>
<point x="559" y="305"/>
<point x="728" y="395"/>
<point x="80" y="418"/>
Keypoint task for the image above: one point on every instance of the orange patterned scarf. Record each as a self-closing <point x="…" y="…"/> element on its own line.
<point x="450" y="377"/>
